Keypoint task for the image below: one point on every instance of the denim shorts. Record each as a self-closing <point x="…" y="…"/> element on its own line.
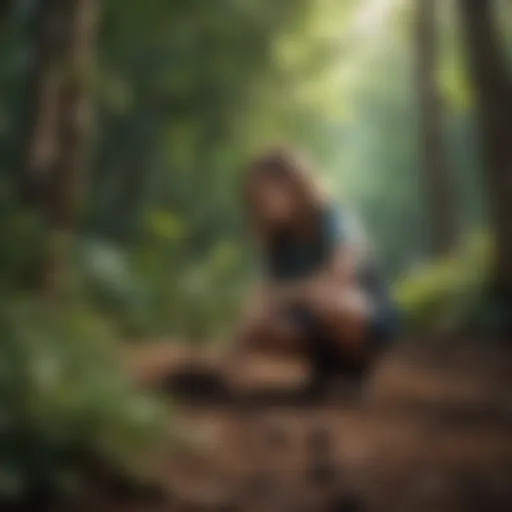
<point x="327" y="358"/>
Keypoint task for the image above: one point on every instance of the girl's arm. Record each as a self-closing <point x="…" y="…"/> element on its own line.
<point x="340" y="271"/>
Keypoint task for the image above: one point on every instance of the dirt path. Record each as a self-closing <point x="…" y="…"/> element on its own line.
<point x="432" y="432"/>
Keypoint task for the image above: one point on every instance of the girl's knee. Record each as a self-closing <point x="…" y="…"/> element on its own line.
<point x="257" y="331"/>
<point x="278" y="334"/>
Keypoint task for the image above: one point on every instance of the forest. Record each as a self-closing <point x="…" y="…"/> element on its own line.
<point x="125" y="127"/>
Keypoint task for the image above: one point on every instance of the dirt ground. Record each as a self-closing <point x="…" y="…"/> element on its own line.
<point x="431" y="430"/>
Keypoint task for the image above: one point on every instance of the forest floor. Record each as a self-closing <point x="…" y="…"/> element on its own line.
<point x="431" y="432"/>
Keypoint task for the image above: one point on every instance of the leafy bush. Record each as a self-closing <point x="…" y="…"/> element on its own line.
<point x="449" y="293"/>
<point x="64" y="400"/>
<point x="159" y="289"/>
<point x="22" y="241"/>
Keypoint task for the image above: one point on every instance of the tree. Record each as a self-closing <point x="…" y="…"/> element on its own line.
<point x="493" y="94"/>
<point x="436" y="173"/>
<point x="56" y="145"/>
<point x="42" y="139"/>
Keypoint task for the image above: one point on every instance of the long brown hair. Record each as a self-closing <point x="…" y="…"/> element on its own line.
<point x="294" y="169"/>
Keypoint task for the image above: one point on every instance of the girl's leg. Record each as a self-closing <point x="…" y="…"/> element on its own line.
<point x="345" y="317"/>
<point x="272" y="332"/>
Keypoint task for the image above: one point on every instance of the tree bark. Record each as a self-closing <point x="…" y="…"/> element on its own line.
<point x="493" y="93"/>
<point x="437" y="179"/>
<point x="73" y="123"/>
<point x="74" y="113"/>
<point x="57" y="143"/>
<point x="42" y="143"/>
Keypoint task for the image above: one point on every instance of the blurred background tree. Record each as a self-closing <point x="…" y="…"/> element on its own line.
<point x="438" y="179"/>
<point x="489" y="70"/>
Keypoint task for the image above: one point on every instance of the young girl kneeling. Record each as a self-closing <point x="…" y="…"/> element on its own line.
<point x="321" y="291"/>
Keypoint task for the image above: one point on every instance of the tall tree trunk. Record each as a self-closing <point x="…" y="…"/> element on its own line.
<point x="73" y="128"/>
<point x="57" y="145"/>
<point x="42" y="143"/>
<point x="74" y="113"/>
<point x="437" y="179"/>
<point x="493" y="92"/>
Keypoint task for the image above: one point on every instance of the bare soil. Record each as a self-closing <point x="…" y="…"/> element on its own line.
<point x="430" y="430"/>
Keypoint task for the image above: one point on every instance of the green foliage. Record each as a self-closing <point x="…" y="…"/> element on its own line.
<point x="22" y="240"/>
<point x="64" y="400"/>
<point x="158" y="290"/>
<point x="447" y="294"/>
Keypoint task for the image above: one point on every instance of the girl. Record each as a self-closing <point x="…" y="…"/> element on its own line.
<point x="320" y="291"/>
